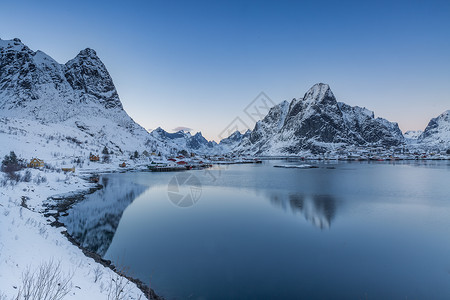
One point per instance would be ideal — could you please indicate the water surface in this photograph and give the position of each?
(354, 231)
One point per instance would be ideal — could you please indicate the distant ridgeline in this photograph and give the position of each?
(75, 108)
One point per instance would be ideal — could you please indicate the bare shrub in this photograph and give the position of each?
(119, 287)
(98, 273)
(40, 179)
(27, 176)
(47, 282)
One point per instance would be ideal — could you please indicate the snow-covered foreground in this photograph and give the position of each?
(28, 241)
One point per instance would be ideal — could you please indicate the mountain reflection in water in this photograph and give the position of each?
(94, 221)
(319, 210)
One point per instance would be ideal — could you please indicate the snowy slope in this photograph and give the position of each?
(230, 144)
(437, 133)
(27, 241)
(412, 134)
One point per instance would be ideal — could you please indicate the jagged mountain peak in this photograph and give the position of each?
(14, 48)
(318, 92)
(235, 138)
(237, 133)
(412, 134)
(184, 140)
(32, 83)
(90, 79)
(317, 122)
(361, 110)
(10, 43)
(88, 52)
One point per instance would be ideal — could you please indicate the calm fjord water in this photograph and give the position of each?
(359, 231)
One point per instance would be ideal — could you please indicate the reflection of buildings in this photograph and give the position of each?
(93, 222)
(320, 210)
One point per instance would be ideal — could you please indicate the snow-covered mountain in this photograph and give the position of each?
(317, 123)
(34, 85)
(437, 133)
(63, 107)
(74, 108)
(185, 141)
(230, 143)
(412, 134)
(69, 108)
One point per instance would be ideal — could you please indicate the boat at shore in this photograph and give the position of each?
(175, 168)
(302, 166)
(237, 161)
(167, 168)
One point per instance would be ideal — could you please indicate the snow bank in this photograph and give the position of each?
(27, 240)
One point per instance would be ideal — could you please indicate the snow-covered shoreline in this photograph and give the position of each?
(28, 240)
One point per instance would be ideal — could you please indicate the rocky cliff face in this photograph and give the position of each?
(316, 123)
(90, 80)
(366, 129)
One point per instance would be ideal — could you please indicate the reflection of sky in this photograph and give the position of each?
(179, 63)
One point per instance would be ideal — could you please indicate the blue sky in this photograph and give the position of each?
(198, 64)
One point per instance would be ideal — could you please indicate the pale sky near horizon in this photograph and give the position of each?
(199, 64)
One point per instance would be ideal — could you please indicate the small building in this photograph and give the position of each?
(36, 163)
(172, 159)
(181, 163)
(123, 165)
(68, 169)
(93, 157)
